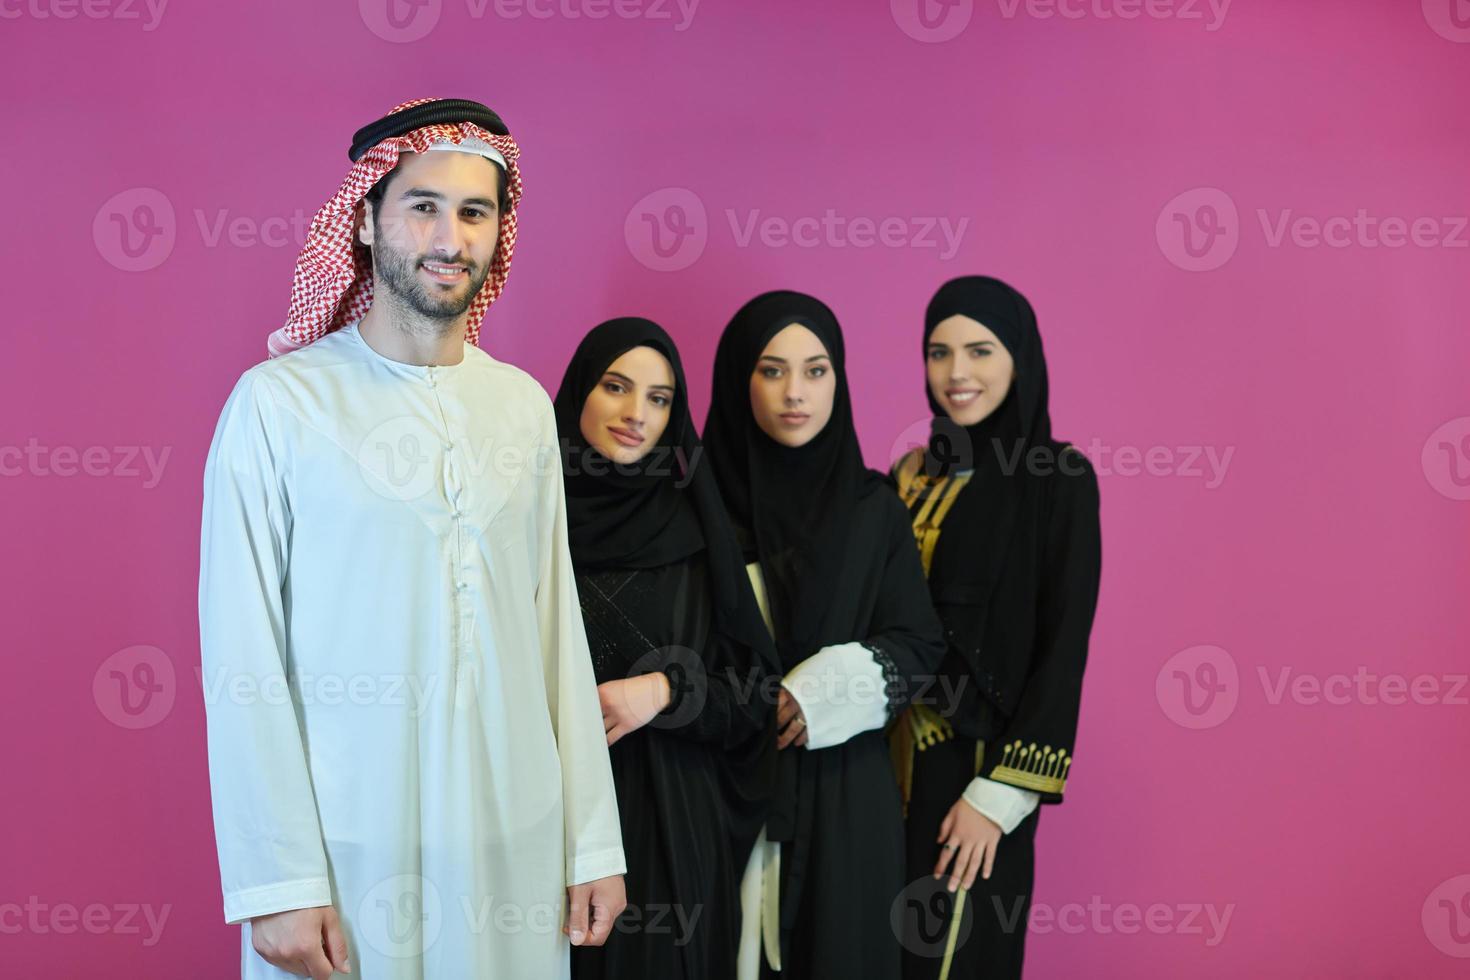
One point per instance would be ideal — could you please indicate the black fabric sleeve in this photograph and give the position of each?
(1034, 750)
(720, 693)
(712, 699)
(906, 636)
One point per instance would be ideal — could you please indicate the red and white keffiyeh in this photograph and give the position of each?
(333, 285)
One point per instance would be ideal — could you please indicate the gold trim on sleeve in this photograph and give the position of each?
(1042, 769)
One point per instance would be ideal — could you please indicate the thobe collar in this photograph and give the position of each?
(425, 372)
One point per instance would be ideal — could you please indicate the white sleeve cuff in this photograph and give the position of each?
(1005, 806)
(307, 893)
(598, 864)
(841, 693)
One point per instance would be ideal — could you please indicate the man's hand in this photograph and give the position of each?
(790, 721)
(628, 705)
(606, 898)
(969, 838)
(306, 942)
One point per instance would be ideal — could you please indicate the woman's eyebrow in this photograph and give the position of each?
(630, 382)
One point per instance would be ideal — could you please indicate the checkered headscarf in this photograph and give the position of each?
(333, 285)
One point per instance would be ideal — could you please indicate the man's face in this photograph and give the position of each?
(435, 233)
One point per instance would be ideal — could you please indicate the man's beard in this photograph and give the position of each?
(397, 272)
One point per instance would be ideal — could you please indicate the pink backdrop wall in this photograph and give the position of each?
(1243, 228)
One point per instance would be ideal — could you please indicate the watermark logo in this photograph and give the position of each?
(134, 230)
(149, 13)
(401, 916)
(1450, 19)
(688, 683)
(397, 458)
(41, 918)
(667, 230)
(135, 687)
(1211, 13)
(400, 21)
(405, 21)
(932, 21)
(143, 463)
(834, 230)
(1201, 686)
(1198, 687)
(1199, 230)
(922, 917)
(1446, 459)
(1206, 920)
(1446, 917)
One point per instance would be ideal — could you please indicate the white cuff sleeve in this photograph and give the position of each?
(841, 693)
(1005, 806)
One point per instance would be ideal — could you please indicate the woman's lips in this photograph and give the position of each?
(795, 418)
(625, 436)
(962, 396)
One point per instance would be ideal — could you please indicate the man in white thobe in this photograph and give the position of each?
(407, 760)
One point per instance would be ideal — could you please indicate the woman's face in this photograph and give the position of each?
(793, 386)
(628, 409)
(970, 370)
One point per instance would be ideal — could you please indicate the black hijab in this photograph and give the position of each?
(661, 509)
(992, 536)
(796, 504)
(631, 516)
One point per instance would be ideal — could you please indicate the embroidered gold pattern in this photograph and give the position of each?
(927, 726)
(1042, 769)
(939, 497)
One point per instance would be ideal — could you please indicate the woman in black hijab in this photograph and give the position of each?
(831, 552)
(1006, 521)
(679, 650)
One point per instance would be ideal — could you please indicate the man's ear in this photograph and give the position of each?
(362, 224)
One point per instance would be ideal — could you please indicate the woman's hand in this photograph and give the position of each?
(969, 839)
(629, 704)
(790, 722)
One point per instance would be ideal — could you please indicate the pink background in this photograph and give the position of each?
(1336, 540)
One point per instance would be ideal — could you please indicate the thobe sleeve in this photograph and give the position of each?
(849, 688)
(266, 827)
(1034, 750)
(594, 842)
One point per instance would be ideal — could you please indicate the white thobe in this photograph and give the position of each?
(403, 720)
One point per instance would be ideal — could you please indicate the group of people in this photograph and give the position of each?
(573, 675)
